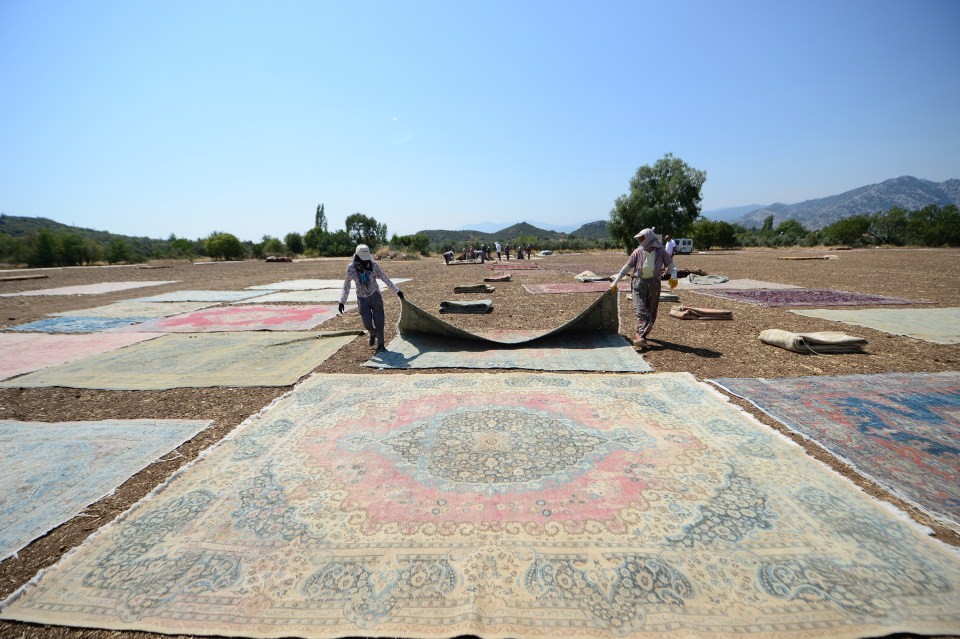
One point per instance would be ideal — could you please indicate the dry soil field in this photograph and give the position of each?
(705, 349)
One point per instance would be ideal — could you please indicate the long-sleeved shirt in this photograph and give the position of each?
(648, 264)
(366, 282)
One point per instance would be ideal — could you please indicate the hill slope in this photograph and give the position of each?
(906, 192)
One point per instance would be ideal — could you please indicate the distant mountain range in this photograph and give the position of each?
(906, 192)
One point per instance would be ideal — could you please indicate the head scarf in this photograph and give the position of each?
(648, 239)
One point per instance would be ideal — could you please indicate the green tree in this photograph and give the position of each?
(708, 233)
(320, 219)
(294, 242)
(365, 230)
(850, 230)
(118, 251)
(418, 243)
(890, 227)
(665, 196)
(223, 246)
(45, 250)
(273, 246)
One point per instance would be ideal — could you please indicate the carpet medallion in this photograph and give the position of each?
(900, 430)
(570, 506)
(51, 472)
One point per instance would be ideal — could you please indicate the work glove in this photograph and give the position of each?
(400, 294)
(340, 308)
(673, 282)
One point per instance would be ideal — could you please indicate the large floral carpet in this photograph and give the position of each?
(804, 297)
(195, 360)
(27, 352)
(936, 325)
(533, 505)
(51, 472)
(900, 430)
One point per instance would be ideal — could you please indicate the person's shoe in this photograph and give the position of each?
(381, 349)
(641, 344)
(372, 340)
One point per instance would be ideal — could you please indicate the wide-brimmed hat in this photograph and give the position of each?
(363, 252)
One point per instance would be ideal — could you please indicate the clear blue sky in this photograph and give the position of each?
(159, 118)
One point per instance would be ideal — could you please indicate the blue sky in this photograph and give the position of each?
(159, 118)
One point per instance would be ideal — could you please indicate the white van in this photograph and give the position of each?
(684, 246)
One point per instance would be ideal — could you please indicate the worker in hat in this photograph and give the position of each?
(647, 262)
(364, 272)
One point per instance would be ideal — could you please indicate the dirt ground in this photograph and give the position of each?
(705, 349)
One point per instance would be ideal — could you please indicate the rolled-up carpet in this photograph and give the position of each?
(477, 306)
(475, 288)
(498, 278)
(820, 343)
(706, 280)
(691, 313)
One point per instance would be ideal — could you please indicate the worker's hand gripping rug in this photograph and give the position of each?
(532, 505)
(901, 430)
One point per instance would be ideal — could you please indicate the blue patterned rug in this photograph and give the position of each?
(900, 430)
(51, 472)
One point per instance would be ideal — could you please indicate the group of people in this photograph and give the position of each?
(647, 262)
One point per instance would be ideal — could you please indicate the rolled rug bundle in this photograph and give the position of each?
(476, 288)
(819, 343)
(478, 307)
(691, 313)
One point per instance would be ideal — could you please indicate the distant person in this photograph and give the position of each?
(506, 251)
(670, 246)
(448, 257)
(497, 248)
(647, 261)
(364, 272)
(528, 251)
(519, 252)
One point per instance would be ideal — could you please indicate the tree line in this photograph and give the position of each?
(665, 195)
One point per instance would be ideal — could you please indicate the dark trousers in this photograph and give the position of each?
(646, 302)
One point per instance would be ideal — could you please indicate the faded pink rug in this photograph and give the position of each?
(28, 352)
(239, 318)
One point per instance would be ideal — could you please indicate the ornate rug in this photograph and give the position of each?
(565, 352)
(51, 472)
(241, 318)
(201, 296)
(27, 352)
(136, 309)
(805, 297)
(599, 506)
(85, 324)
(195, 360)
(742, 284)
(937, 325)
(89, 289)
(900, 430)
